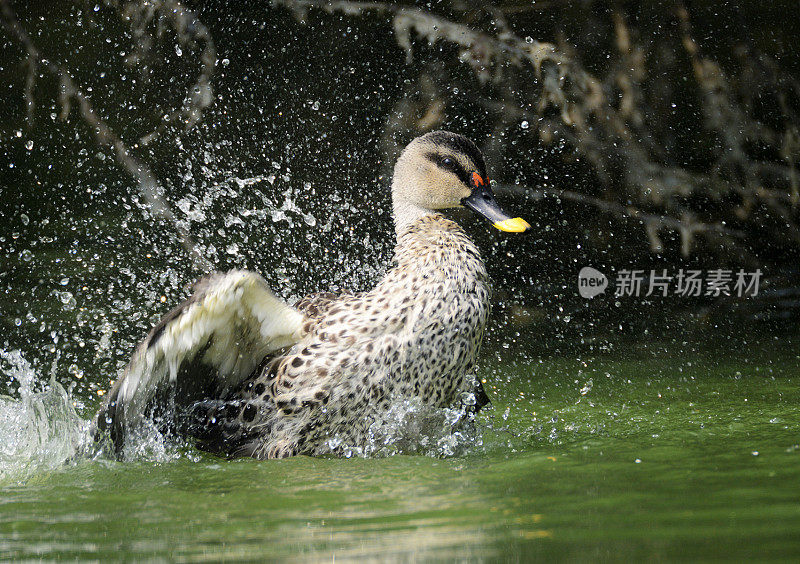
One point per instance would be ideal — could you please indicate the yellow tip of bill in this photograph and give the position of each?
(516, 225)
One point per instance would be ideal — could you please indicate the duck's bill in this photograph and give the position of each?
(482, 202)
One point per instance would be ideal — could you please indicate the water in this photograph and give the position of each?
(652, 450)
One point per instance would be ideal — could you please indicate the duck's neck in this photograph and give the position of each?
(406, 213)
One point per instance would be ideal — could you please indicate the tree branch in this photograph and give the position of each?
(149, 187)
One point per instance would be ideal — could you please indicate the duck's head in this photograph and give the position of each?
(442, 170)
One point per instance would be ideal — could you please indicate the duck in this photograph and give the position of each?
(241, 373)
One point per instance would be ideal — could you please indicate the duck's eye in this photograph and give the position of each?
(447, 161)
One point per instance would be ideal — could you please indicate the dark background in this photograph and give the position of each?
(664, 117)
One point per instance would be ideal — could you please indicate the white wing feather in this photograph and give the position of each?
(231, 323)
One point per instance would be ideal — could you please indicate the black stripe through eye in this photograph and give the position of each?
(460, 144)
(451, 164)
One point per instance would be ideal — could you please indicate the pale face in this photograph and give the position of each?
(436, 171)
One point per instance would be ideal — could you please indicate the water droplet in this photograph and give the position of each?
(528, 39)
(29, 145)
(524, 124)
(68, 300)
(64, 281)
(24, 219)
(178, 50)
(226, 62)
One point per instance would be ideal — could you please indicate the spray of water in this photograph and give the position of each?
(411, 427)
(39, 430)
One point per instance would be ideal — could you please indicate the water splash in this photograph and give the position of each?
(39, 430)
(148, 443)
(411, 427)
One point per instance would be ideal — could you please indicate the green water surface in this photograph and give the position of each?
(652, 452)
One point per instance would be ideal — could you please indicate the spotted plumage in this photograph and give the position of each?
(285, 380)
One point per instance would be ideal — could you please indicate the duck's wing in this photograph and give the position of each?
(208, 344)
(226, 424)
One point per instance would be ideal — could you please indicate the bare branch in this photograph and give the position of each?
(190, 32)
(607, 122)
(149, 187)
(687, 226)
